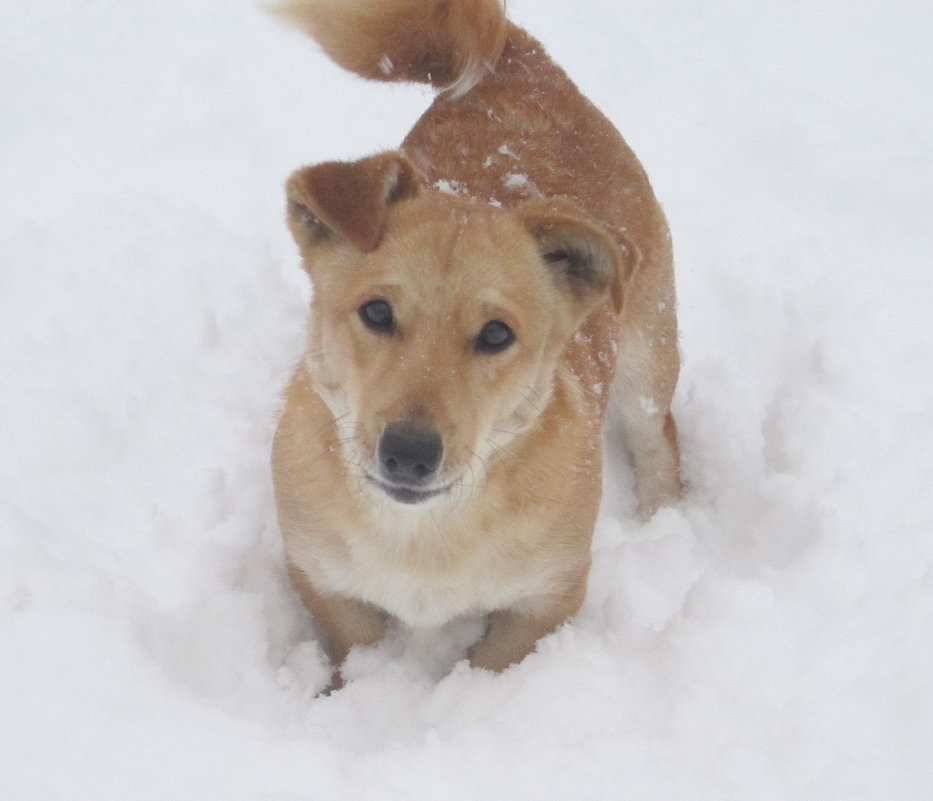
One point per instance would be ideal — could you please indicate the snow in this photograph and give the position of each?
(768, 638)
(515, 180)
(450, 187)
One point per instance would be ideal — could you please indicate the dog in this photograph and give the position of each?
(480, 297)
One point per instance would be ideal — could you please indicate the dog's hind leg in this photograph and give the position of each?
(640, 412)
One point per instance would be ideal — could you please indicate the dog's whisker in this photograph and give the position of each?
(534, 405)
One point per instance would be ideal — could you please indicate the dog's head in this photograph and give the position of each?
(437, 323)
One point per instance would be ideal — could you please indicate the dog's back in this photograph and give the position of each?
(498, 85)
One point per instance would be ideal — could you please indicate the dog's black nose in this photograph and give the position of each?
(408, 454)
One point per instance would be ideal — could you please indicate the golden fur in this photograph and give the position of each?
(512, 202)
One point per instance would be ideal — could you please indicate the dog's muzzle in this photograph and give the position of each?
(409, 457)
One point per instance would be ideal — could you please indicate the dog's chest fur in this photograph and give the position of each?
(424, 582)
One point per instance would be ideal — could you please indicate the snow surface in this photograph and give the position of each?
(768, 638)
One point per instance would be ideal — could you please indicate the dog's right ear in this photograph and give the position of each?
(348, 200)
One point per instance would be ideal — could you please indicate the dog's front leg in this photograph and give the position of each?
(512, 634)
(345, 622)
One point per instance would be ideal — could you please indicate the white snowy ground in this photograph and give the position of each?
(769, 638)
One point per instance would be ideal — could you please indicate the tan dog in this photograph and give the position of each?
(441, 446)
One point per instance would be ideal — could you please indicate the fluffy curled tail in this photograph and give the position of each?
(451, 44)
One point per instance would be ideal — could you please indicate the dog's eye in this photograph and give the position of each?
(377, 316)
(494, 337)
(554, 256)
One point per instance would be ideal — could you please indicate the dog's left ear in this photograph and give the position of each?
(585, 260)
(348, 200)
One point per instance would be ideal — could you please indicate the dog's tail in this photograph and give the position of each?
(451, 44)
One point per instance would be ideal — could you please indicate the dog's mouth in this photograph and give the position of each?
(407, 494)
